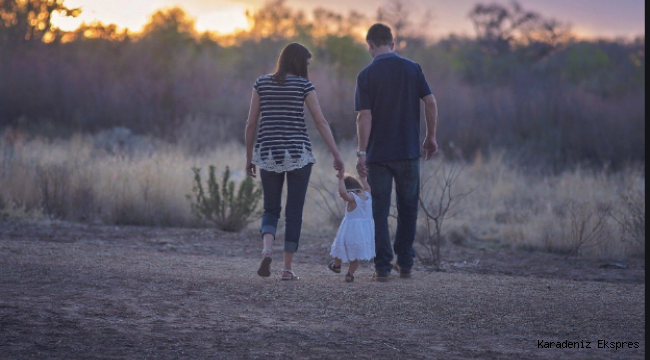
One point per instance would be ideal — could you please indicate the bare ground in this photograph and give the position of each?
(75, 291)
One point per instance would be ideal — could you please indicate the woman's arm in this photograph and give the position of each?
(251, 129)
(323, 128)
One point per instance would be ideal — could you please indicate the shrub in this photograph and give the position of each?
(221, 206)
(329, 201)
(588, 225)
(53, 181)
(439, 202)
(632, 218)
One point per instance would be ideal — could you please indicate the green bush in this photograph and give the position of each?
(221, 206)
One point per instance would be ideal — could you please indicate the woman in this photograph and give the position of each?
(282, 148)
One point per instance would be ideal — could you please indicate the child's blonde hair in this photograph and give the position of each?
(351, 183)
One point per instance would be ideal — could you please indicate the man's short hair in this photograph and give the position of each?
(380, 35)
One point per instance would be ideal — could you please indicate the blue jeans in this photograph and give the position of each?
(406, 174)
(297, 184)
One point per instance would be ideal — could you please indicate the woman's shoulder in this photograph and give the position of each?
(267, 77)
(288, 80)
(297, 79)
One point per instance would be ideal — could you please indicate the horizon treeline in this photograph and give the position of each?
(523, 83)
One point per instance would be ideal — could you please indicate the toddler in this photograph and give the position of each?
(355, 239)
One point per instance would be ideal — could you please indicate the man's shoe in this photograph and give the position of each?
(403, 273)
(380, 277)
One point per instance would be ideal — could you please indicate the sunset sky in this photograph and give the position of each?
(590, 18)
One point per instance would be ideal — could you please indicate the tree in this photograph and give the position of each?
(98, 30)
(24, 21)
(171, 26)
(396, 15)
(329, 23)
(497, 26)
(277, 21)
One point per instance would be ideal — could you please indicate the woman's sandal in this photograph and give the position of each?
(265, 264)
(335, 268)
(292, 275)
(349, 278)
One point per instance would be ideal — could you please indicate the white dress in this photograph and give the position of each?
(355, 239)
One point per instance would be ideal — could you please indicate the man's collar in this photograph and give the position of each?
(384, 56)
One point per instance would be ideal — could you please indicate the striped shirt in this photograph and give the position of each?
(282, 141)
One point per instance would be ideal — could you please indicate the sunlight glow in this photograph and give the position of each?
(123, 13)
(227, 16)
(223, 22)
(222, 16)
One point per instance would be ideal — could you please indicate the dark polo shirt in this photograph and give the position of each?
(391, 87)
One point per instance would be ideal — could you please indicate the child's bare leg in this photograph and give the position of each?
(337, 261)
(354, 265)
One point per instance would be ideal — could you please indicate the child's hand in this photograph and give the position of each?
(340, 175)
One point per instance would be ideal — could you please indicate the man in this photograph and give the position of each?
(388, 96)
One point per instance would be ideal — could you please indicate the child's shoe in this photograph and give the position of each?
(335, 268)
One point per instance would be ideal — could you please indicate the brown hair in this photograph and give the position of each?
(380, 35)
(292, 60)
(351, 183)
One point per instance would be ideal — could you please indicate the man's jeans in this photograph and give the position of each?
(297, 184)
(407, 187)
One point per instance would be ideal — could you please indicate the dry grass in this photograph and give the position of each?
(531, 211)
(76, 180)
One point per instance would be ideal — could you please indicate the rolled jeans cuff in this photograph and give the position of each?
(268, 229)
(291, 247)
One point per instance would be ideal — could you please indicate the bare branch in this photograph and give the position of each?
(586, 226)
(437, 207)
(329, 200)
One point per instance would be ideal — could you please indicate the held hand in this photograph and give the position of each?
(339, 165)
(251, 170)
(362, 170)
(429, 148)
(340, 175)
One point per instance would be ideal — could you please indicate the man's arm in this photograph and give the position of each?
(430, 146)
(364, 125)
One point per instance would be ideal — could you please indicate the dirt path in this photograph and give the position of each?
(101, 292)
